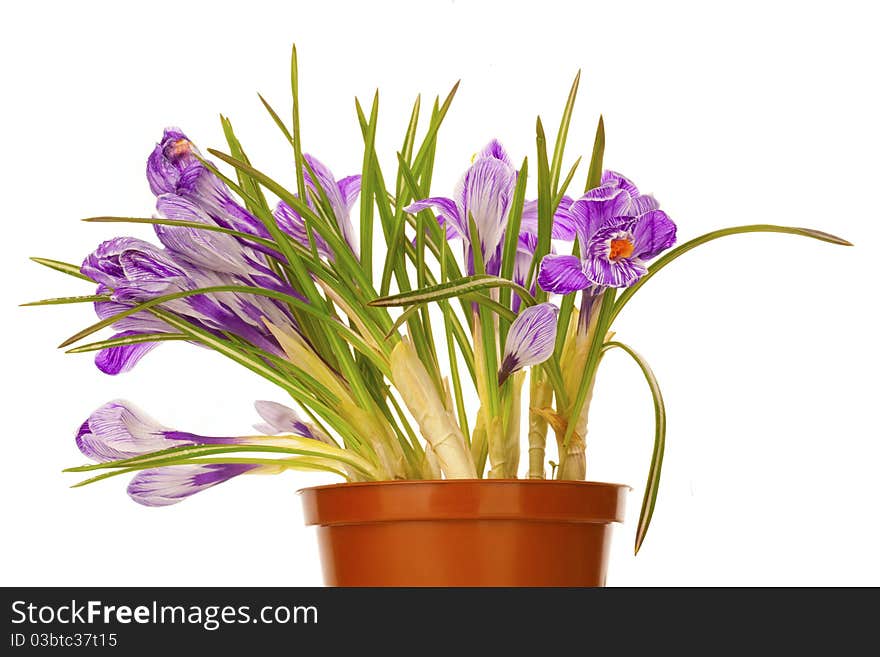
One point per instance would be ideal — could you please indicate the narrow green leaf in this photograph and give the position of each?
(511, 237)
(248, 184)
(562, 135)
(367, 193)
(276, 119)
(269, 244)
(328, 321)
(664, 260)
(653, 483)
(63, 267)
(565, 183)
(545, 209)
(297, 137)
(62, 300)
(456, 288)
(594, 176)
(129, 339)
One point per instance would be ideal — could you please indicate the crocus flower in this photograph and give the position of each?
(341, 196)
(119, 430)
(174, 167)
(132, 271)
(618, 230)
(530, 340)
(485, 193)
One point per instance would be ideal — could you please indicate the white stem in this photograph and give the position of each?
(436, 423)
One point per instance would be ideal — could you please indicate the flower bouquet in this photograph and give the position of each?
(408, 367)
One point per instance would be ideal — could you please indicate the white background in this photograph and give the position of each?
(765, 345)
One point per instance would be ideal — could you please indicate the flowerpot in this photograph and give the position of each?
(465, 532)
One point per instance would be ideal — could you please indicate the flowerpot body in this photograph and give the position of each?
(465, 532)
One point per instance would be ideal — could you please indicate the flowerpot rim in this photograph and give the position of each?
(404, 482)
(537, 500)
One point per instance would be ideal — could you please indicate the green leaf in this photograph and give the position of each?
(248, 184)
(192, 224)
(172, 456)
(664, 260)
(456, 288)
(367, 193)
(129, 339)
(653, 483)
(511, 236)
(328, 321)
(276, 119)
(297, 137)
(61, 300)
(594, 176)
(562, 135)
(565, 183)
(545, 201)
(63, 267)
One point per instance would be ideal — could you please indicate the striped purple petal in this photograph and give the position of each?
(564, 227)
(617, 180)
(562, 274)
(496, 151)
(116, 360)
(652, 233)
(349, 188)
(611, 260)
(280, 419)
(341, 206)
(292, 223)
(201, 248)
(174, 483)
(596, 208)
(119, 430)
(172, 159)
(485, 193)
(531, 339)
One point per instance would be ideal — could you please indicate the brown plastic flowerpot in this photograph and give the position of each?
(465, 532)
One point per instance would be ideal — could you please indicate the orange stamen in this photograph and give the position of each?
(179, 147)
(620, 249)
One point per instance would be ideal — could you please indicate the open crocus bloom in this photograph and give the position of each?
(618, 230)
(120, 430)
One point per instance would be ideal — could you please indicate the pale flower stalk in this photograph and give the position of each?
(436, 422)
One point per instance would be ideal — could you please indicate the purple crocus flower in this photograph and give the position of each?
(618, 230)
(174, 483)
(340, 194)
(485, 193)
(531, 339)
(132, 271)
(119, 430)
(174, 167)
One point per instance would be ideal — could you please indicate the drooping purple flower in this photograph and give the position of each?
(174, 483)
(531, 339)
(132, 271)
(618, 230)
(174, 167)
(119, 430)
